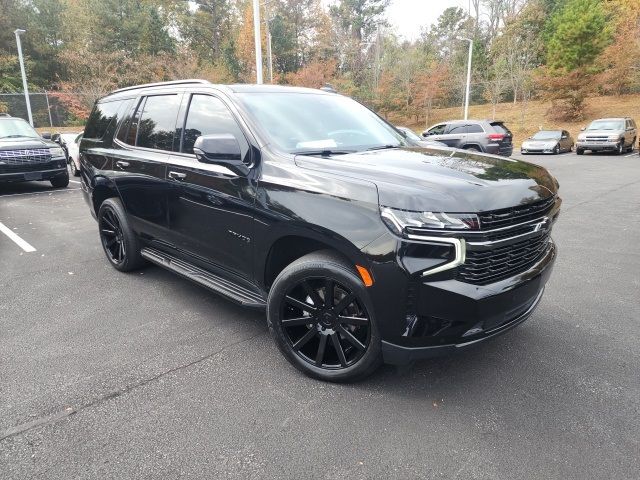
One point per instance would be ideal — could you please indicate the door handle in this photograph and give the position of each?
(121, 164)
(177, 176)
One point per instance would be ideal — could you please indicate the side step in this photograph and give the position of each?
(216, 283)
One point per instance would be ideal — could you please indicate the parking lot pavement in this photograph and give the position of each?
(145, 375)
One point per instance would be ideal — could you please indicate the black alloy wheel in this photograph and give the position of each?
(112, 237)
(321, 317)
(325, 323)
(620, 150)
(118, 240)
(556, 150)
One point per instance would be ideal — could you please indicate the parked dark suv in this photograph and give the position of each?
(25, 155)
(361, 248)
(488, 136)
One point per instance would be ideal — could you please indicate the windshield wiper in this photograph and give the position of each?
(325, 152)
(384, 147)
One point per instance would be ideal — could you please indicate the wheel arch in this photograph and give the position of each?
(102, 190)
(466, 146)
(289, 247)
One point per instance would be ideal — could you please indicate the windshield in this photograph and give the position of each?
(546, 135)
(16, 128)
(606, 125)
(313, 123)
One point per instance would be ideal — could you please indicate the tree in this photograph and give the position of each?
(359, 17)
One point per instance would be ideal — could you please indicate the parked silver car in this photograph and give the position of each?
(548, 141)
(608, 134)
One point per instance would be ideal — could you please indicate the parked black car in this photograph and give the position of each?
(488, 136)
(25, 155)
(303, 202)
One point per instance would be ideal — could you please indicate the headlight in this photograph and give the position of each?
(404, 221)
(614, 138)
(56, 152)
(582, 137)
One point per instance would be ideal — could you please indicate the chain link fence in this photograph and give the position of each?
(48, 109)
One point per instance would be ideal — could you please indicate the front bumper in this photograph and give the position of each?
(33, 171)
(598, 146)
(32, 176)
(452, 315)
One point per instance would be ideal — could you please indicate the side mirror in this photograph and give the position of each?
(220, 149)
(426, 134)
(46, 135)
(564, 136)
(583, 129)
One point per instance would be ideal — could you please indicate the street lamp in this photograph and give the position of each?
(256, 34)
(466, 96)
(19, 32)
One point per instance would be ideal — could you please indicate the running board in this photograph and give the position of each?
(216, 283)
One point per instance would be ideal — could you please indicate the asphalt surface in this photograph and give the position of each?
(145, 375)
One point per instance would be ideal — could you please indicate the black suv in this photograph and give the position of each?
(488, 136)
(361, 247)
(25, 155)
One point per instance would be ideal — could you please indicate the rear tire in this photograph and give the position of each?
(472, 149)
(61, 181)
(119, 242)
(322, 320)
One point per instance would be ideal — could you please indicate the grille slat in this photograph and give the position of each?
(515, 215)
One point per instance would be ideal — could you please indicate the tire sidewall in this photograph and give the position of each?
(314, 268)
(132, 247)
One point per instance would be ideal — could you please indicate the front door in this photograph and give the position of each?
(210, 207)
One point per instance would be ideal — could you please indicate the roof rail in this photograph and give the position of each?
(161, 84)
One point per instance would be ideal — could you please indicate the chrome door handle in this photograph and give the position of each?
(177, 176)
(121, 164)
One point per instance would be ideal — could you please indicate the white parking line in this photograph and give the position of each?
(50, 192)
(16, 239)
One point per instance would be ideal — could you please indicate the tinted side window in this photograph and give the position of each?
(474, 128)
(500, 128)
(157, 123)
(209, 115)
(437, 130)
(456, 129)
(101, 117)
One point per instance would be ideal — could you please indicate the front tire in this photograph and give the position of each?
(579, 151)
(72, 166)
(556, 150)
(118, 240)
(60, 181)
(620, 150)
(322, 319)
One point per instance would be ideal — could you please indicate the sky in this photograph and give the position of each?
(408, 16)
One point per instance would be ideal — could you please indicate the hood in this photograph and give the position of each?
(421, 179)
(602, 133)
(540, 143)
(22, 143)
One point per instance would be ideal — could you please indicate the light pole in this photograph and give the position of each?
(19, 32)
(466, 96)
(257, 39)
(268, 25)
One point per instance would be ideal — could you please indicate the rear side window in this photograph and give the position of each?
(474, 128)
(456, 129)
(102, 116)
(157, 122)
(501, 128)
(208, 115)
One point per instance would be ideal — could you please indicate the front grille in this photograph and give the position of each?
(24, 157)
(597, 138)
(482, 267)
(515, 215)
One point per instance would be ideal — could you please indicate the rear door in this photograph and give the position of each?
(210, 207)
(146, 139)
